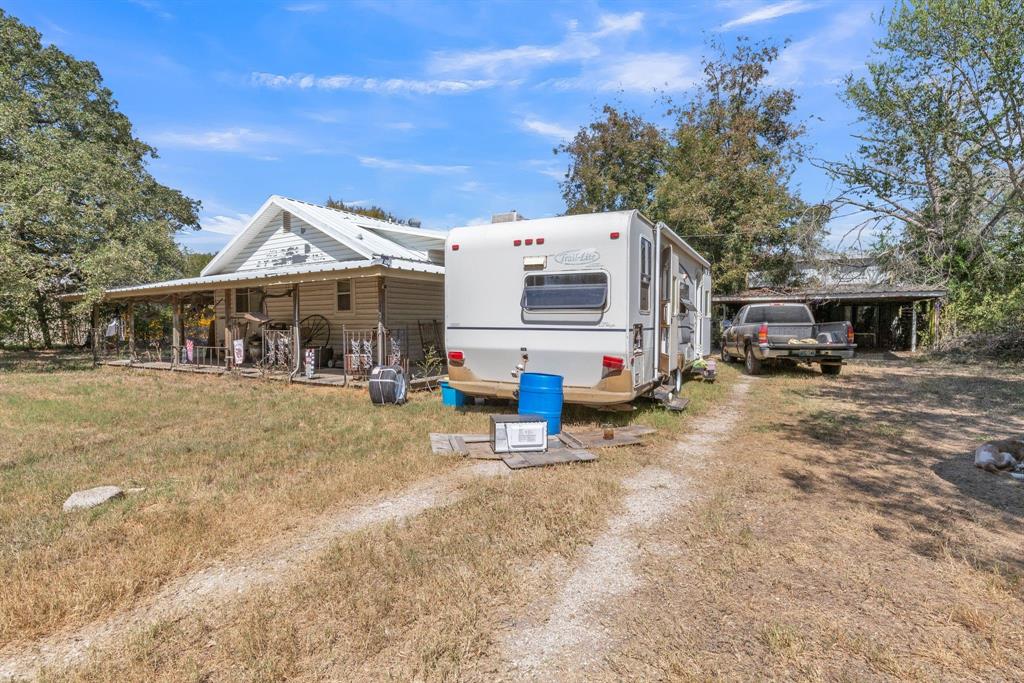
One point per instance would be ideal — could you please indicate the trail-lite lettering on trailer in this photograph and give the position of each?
(578, 257)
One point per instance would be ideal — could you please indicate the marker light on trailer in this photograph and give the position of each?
(614, 235)
(529, 242)
(516, 243)
(540, 240)
(613, 363)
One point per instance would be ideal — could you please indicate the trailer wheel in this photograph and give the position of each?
(752, 365)
(831, 368)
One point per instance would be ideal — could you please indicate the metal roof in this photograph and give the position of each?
(361, 234)
(284, 275)
(879, 293)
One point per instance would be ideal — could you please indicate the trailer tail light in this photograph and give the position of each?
(614, 235)
(455, 247)
(762, 334)
(849, 334)
(613, 363)
(456, 356)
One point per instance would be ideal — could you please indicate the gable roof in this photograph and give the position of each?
(368, 237)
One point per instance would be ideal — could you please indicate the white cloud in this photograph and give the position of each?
(470, 186)
(619, 23)
(652, 71)
(767, 13)
(376, 85)
(825, 54)
(307, 7)
(577, 46)
(226, 224)
(153, 7)
(549, 168)
(547, 129)
(411, 166)
(228, 140)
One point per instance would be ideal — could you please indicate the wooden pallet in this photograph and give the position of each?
(552, 456)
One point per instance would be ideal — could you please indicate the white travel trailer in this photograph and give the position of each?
(576, 296)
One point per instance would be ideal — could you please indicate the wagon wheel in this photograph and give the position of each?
(315, 331)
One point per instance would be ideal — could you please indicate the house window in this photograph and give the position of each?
(344, 295)
(248, 300)
(645, 275)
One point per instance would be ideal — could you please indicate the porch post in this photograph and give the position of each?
(175, 330)
(131, 332)
(229, 345)
(913, 326)
(296, 333)
(95, 321)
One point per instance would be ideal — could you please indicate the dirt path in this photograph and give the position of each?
(571, 636)
(208, 589)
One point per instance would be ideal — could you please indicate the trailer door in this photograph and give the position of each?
(668, 335)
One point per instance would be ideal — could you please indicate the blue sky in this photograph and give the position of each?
(446, 112)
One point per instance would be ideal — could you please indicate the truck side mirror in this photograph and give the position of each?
(726, 324)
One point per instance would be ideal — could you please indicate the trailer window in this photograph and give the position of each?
(645, 275)
(565, 291)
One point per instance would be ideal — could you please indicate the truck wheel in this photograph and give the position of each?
(726, 358)
(753, 365)
(831, 368)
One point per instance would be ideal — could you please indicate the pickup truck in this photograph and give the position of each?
(785, 333)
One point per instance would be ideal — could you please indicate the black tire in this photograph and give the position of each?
(726, 356)
(831, 368)
(753, 365)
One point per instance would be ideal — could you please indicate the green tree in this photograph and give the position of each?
(195, 262)
(726, 185)
(614, 163)
(939, 166)
(78, 207)
(370, 211)
(719, 176)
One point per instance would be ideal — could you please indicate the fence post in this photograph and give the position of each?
(175, 330)
(131, 331)
(95, 334)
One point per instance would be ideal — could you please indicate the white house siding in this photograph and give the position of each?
(272, 247)
(410, 301)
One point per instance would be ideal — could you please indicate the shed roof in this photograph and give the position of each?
(888, 292)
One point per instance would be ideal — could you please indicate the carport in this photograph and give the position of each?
(885, 318)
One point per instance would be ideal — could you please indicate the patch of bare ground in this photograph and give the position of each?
(207, 590)
(843, 534)
(567, 636)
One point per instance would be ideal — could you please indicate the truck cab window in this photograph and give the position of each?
(565, 291)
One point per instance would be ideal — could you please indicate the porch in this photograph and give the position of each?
(324, 327)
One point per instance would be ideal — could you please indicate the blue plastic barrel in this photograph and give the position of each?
(541, 394)
(450, 396)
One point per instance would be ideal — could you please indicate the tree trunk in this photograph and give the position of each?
(43, 319)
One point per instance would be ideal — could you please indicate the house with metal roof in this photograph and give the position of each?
(301, 285)
(886, 313)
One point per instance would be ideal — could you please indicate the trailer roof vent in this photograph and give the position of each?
(415, 223)
(507, 217)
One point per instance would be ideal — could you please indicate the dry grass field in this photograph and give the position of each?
(830, 528)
